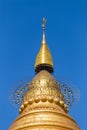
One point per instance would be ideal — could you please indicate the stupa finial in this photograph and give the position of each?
(43, 28)
(44, 59)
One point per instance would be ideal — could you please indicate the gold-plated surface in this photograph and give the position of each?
(43, 88)
(44, 56)
(43, 105)
(44, 120)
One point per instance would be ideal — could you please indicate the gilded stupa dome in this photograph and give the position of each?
(43, 88)
(43, 106)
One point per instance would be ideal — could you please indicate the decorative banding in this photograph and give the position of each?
(37, 99)
(43, 98)
(22, 107)
(56, 100)
(25, 103)
(31, 101)
(50, 99)
(61, 103)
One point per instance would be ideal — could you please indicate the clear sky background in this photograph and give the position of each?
(20, 40)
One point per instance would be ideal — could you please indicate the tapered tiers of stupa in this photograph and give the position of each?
(44, 59)
(43, 105)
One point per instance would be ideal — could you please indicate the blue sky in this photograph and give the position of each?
(20, 40)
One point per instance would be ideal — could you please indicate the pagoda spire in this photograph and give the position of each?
(43, 105)
(44, 59)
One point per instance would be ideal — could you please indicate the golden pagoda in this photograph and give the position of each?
(43, 106)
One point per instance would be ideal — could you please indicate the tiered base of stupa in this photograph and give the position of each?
(46, 117)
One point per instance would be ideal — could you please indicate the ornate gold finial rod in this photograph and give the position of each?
(43, 28)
